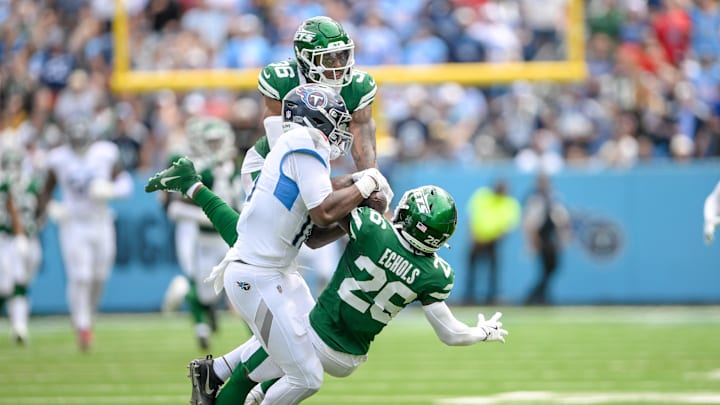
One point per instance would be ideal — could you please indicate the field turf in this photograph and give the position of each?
(563, 355)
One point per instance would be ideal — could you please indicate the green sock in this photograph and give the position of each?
(239, 385)
(196, 308)
(236, 388)
(265, 385)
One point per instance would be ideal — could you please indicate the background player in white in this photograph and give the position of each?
(197, 244)
(711, 213)
(25, 253)
(293, 193)
(89, 175)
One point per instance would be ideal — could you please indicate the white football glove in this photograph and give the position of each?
(492, 328)
(101, 189)
(387, 191)
(370, 180)
(709, 231)
(22, 245)
(57, 211)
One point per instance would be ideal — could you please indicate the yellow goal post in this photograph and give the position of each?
(572, 69)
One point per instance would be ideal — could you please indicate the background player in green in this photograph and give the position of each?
(385, 266)
(324, 53)
(24, 183)
(210, 143)
(11, 231)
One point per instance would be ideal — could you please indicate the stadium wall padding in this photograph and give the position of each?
(637, 239)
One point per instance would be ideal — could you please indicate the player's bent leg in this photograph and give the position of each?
(255, 366)
(334, 363)
(274, 305)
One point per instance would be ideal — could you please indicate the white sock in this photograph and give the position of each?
(225, 365)
(19, 311)
(78, 296)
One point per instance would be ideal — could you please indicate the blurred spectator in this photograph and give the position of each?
(543, 20)
(246, 46)
(672, 28)
(425, 48)
(546, 224)
(54, 61)
(705, 26)
(492, 215)
(656, 61)
(376, 43)
(129, 136)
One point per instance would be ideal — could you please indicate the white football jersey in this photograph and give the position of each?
(275, 220)
(75, 172)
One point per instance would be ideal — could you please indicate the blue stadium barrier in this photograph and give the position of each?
(638, 239)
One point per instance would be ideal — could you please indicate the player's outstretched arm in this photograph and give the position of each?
(182, 177)
(453, 332)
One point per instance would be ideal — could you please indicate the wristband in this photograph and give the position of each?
(366, 185)
(192, 189)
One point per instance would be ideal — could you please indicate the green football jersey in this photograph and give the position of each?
(375, 279)
(277, 79)
(25, 197)
(5, 219)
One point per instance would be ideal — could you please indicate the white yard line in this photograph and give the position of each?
(586, 398)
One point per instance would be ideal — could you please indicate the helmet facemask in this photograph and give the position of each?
(331, 66)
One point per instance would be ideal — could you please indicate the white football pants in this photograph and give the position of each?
(273, 304)
(88, 249)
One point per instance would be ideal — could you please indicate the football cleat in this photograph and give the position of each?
(85, 339)
(205, 382)
(178, 177)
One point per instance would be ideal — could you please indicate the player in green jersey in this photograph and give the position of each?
(198, 246)
(386, 266)
(26, 252)
(324, 53)
(11, 231)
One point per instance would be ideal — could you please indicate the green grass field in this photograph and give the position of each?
(586, 355)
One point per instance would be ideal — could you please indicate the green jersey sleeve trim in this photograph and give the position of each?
(367, 99)
(266, 88)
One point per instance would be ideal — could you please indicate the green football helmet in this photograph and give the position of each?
(426, 218)
(322, 49)
(210, 138)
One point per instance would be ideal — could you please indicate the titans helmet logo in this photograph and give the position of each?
(312, 98)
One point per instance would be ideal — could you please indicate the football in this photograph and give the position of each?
(376, 201)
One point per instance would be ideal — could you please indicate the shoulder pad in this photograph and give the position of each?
(276, 79)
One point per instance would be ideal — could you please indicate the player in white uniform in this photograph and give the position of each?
(293, 193)
(89, 175)
(711, 213)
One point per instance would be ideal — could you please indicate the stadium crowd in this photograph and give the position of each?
(653, 91)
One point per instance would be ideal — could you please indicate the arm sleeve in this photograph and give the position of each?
(710, 209)
(451, 331)
(222, 216)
